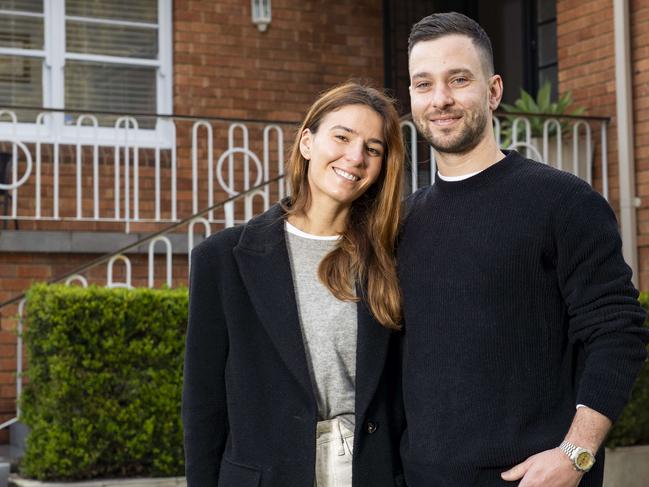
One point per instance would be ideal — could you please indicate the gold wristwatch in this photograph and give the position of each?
(582, 458)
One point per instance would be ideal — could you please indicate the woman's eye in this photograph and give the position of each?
(342, 138)
(373, 152)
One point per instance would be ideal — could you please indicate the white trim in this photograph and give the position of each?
(15, 51)
(462, 177)
(164, 84)
(159, 137)
(296, 231)
(100, 58)
(22, 13)
(53, 86)
(123, 23)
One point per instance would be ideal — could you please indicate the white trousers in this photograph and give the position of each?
(334, 450)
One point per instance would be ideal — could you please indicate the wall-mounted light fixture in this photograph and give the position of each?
(261, 14)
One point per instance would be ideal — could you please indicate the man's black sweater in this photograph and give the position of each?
(518, 306)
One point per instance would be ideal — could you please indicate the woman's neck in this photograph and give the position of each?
(318, 220)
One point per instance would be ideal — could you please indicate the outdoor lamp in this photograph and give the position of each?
(261, 14)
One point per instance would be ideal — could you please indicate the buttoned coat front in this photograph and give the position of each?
(249, 409)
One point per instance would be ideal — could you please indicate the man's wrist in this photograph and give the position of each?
(582, 458)
(588, 429)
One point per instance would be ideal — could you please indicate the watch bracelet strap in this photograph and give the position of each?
(568, 448)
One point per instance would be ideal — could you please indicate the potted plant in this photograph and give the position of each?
(551, 139)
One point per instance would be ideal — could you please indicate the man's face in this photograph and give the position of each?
(451, 93)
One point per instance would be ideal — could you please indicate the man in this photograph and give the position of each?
(523, 332)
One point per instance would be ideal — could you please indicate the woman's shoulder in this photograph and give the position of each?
(220, 242)
(261, 228)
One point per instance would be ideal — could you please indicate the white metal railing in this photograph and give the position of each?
(85, 171)
(91, 174)
(568, 143)
(565, 145)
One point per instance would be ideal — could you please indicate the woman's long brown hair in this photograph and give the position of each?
(365, 253)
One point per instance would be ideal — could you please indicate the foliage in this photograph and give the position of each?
(543, 104)
(105, 380)
(632, 427)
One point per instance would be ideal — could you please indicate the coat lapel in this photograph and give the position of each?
(371, 353)
(263, 261)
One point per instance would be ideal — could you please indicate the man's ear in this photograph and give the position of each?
(495, 91)
(306, 139)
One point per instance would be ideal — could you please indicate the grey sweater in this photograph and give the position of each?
(328, 328)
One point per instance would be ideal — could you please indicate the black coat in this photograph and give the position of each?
(249, 409)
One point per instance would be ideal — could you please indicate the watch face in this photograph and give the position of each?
(584, 461)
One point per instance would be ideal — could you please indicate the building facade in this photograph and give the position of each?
(122, 117)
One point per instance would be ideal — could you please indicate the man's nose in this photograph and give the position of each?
(441, 97)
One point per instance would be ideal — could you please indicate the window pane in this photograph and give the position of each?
(35, 6)
(550, 74)
(110, 87)
(546, 9)
(21, 81)
(138, 11)
(111, 40)
(21, 32)
(547, 44)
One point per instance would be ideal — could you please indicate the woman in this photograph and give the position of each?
(291, 364)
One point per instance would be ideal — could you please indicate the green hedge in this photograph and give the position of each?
(104, 382)
(105, 379)
(632, 428)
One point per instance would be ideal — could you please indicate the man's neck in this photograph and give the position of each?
(483, 155)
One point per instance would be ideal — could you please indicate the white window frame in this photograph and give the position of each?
(54, 56)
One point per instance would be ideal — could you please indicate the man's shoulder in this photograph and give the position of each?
(550, 183)
(416, 200)
(538, 170)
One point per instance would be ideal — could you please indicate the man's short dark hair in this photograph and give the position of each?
(442, 24)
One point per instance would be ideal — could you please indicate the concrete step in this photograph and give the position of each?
(10, 454)
(16, 481)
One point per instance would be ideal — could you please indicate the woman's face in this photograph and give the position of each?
(345, 155)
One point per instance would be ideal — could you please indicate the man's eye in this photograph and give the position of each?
(460, 81)
(422, 85)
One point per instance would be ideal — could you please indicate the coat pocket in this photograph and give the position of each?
(237, 475)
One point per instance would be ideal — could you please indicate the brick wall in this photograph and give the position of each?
(640, 57)
(586, 53)
(223, 67)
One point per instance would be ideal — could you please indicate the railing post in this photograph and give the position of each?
(169, 252)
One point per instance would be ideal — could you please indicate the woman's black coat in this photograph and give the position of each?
(249, 409)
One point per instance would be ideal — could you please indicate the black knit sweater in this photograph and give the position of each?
(518, 306)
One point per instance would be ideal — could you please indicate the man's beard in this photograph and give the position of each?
(462, 142)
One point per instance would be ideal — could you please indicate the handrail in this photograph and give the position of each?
(500, 113)
(148, 238)
(179, 116)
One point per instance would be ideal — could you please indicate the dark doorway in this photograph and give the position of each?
(398, 18)
(522, 32)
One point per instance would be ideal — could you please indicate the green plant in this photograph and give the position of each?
(542, 104)
(632, 427)
(105, 380)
